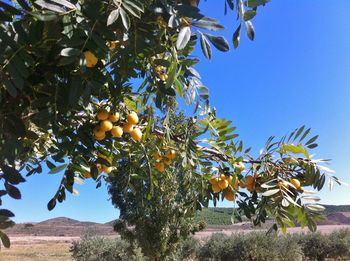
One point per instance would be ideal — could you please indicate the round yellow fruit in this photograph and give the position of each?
(90, 59)
(230, 195)
(117, 132)
(159, 166)
(295, 183)
(106, 125)
(163, 77)
(127, 128)
(214, 180)
(100, 135)
(102, 115)
(236, 184)
(114, 117)
(215, 188)
(171, 154)
(97, 131)
(132, 118)
(136, 134)
(241, 166)
(229, 179)
(223, 176)
(223, 183)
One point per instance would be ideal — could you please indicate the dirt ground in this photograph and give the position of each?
(50, 248)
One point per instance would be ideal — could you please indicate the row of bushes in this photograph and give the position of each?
(253, 246)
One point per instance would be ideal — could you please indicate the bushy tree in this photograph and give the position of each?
(90, 88)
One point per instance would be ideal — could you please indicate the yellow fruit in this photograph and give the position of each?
(215, 188)
(157, 156)
(90, 59)
(98, 132)
(241, 166)
(236, 184)
(136, 134)
(295, 183)
(106, 125)
(214, 180)
(100, 135)
(107, 169)
(117, 132)
(230, 195)
(114, 117)
(159, 166)
(171, 154)
(223, 176)
(87, 175)
(127, 128)
(132, 118)
(102, 115)
(167, 161)
(223, 183)
(283, 184)
(163, 77)
(229, 179)
(250, 183)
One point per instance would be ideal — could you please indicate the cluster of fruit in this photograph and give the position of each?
(295, 182)
(100, 167)
(223, 182)
(162, 160)
(161, 72)
(106, 124)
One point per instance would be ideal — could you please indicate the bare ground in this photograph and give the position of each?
(56, 248)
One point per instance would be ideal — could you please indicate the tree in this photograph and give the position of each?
(71, 98)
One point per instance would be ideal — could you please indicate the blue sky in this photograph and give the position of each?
(296, 72)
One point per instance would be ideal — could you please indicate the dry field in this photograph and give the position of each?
(54, 248)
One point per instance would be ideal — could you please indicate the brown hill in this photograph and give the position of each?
(60, 226)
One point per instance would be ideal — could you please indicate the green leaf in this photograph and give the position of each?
(219, 42)
(12, 191)
(270, 192)
(236, 36)
(65, 3)
(255, 3)
(45, 17)
(248, 15)
(313, 139)
(12, 175)
(6, 213)
(206, 49)
(183, 37)
(295, 149)
(113, 16)
(49, 6)
(58, 169)
(51, 205)
(250, 30)
(125, 19)
(68, 52)
(171, 74)
(208, 23)
(5, 239)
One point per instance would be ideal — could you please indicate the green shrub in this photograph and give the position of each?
(288, 248)
(315, 246)
(339, 244)
(92, 248)
(189, 249)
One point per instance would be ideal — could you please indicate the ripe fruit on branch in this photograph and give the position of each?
(214, 180)
(90, 59)
(136, 134)
(215, 188)
(100, 135)
(106, 125)
(106, 169)
(102, 114)
(127, 128)
(250, 183)
(167, 161)
(117, 132)
(157, 156)
(230, 195)
(114, 117)
(132, 118)
(223, 183)
(295, 183)
(159, 166)
(171, 154)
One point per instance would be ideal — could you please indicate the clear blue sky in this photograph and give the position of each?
(296, 72)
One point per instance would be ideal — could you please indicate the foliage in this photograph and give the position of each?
(92, 248)
(64, 62)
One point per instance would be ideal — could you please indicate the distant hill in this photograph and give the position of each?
(214, 217)
(222, 216)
